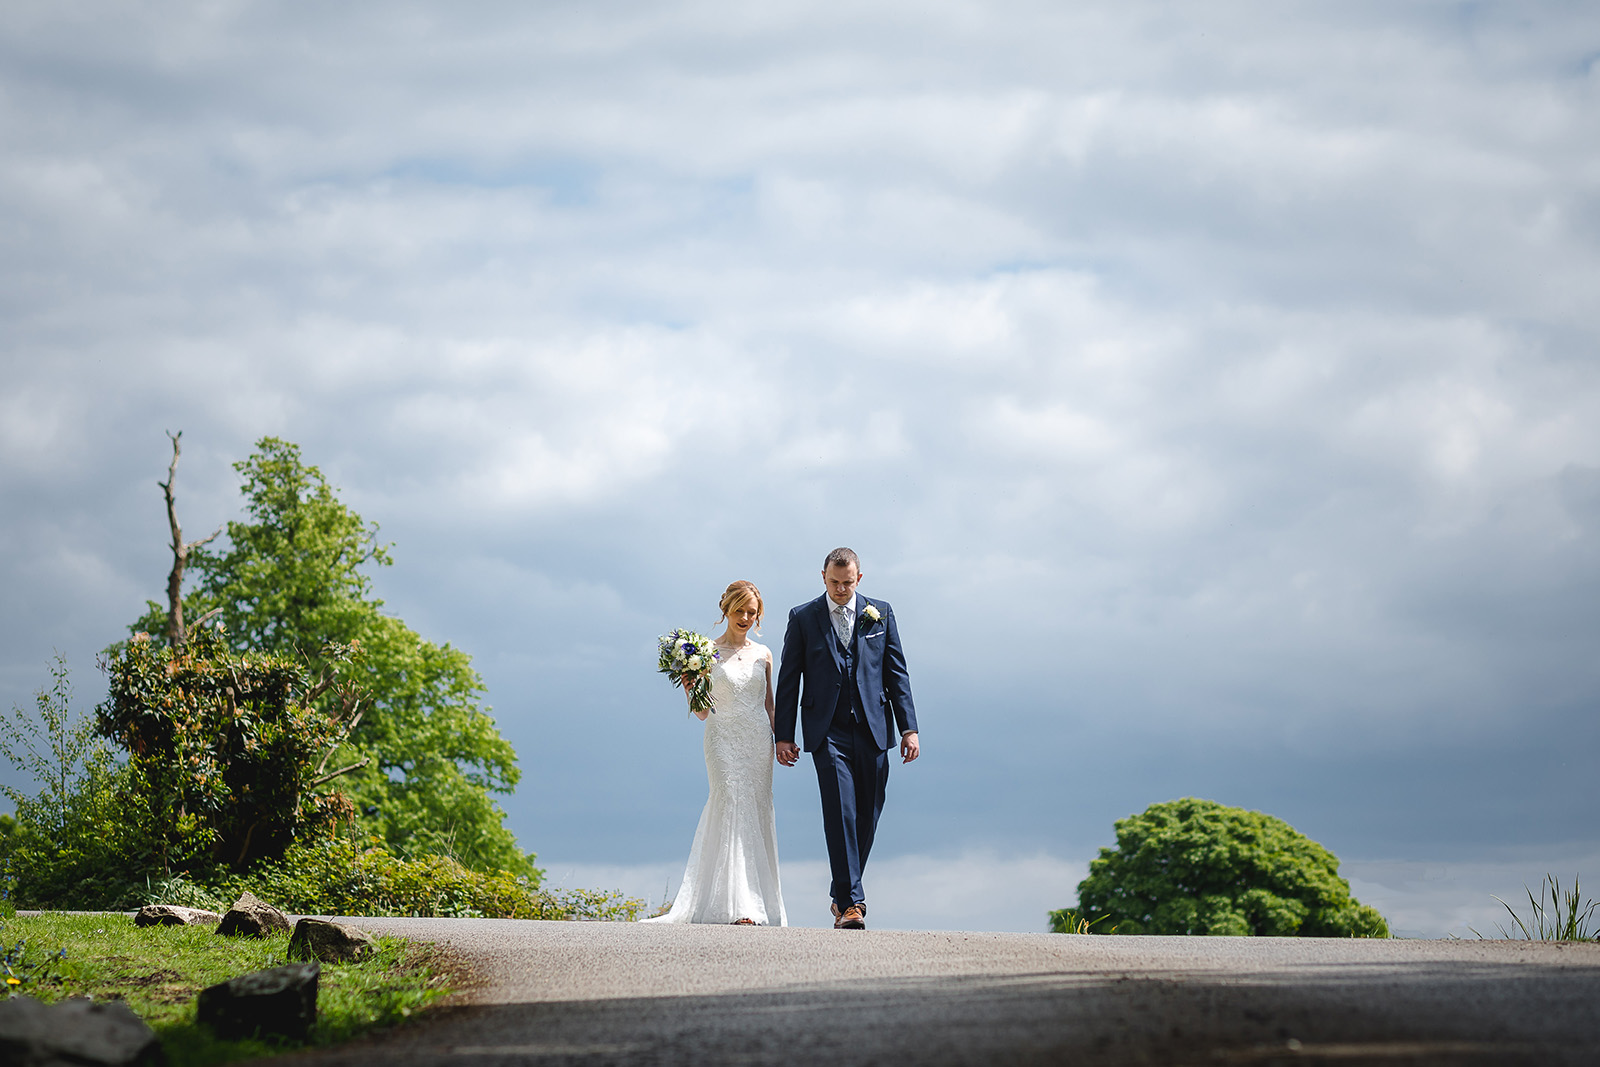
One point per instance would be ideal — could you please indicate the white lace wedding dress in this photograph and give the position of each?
(732, 872)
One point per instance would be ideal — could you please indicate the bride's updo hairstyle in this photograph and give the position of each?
(737, 594)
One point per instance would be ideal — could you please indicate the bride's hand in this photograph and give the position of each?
(787, 752)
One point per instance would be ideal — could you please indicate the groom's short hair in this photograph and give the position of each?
(841, 557)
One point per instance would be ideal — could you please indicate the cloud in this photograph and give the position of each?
(1212, 391)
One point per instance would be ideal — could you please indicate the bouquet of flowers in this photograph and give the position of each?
(686, 658)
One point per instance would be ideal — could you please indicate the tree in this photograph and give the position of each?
(292, 581)
(176, 631)
(1198, 867)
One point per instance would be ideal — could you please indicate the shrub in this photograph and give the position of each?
(223, 748)
(1198, 867)
(68, 845)
(340, 876)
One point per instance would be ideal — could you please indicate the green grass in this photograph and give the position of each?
(159, 970)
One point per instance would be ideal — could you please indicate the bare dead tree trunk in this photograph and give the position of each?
(176, 636)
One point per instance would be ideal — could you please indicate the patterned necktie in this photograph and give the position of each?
(841, 625)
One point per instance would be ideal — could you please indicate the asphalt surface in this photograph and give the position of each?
(603, 993)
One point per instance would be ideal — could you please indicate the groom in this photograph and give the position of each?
(856, 701)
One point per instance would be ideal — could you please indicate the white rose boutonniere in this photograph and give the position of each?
(872, 613)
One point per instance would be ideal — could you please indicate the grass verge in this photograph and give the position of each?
(159, 970)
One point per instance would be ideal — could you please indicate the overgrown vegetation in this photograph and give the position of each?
(340, 876)
(68, 844)
(304, 746)
(223, 748)
(1554, 915)
(159, 970)
(94, 837)
(1198, 867)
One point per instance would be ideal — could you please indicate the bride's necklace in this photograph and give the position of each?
(735, 649)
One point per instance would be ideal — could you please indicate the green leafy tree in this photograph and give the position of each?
(1198, 867)
(293, 580)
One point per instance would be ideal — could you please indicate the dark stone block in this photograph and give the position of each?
(75, 1033)
(279, 1002)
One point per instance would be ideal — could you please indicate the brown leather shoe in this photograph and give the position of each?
(853, 918)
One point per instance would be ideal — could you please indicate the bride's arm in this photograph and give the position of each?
(771, 707)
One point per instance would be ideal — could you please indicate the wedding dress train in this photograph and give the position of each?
(732, 872)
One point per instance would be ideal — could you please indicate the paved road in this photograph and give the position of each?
(601, 993)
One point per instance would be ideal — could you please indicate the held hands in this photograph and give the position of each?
(789, 753)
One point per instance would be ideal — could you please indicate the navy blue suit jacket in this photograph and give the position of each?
(812, 672)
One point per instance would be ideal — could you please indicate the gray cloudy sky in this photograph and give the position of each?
(1212, 388)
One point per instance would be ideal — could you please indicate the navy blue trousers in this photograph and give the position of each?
(853, 773)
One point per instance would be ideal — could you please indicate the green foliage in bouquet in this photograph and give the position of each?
(1198, 867)
(293, 581)
(227, 751)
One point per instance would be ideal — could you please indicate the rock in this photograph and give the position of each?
(281, 1001)
(77, 1032)
(330, 942)
(253, 917)
(173, 915)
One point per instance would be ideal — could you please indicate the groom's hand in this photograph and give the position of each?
(909, 749)
(788, 753)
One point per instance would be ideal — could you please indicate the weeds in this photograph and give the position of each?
(25, 970)
(1554, 915)
(1069, 921)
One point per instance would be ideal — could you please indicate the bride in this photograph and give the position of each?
(732, 874)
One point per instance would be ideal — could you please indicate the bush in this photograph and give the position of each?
(68, 845)
(342, 877)
(223, 747)
(1198, 867)
(214, 736)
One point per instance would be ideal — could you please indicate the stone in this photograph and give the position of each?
(330, 942)
(173, 915)
(280, 1002)
(251, 916)
(77, 1032)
